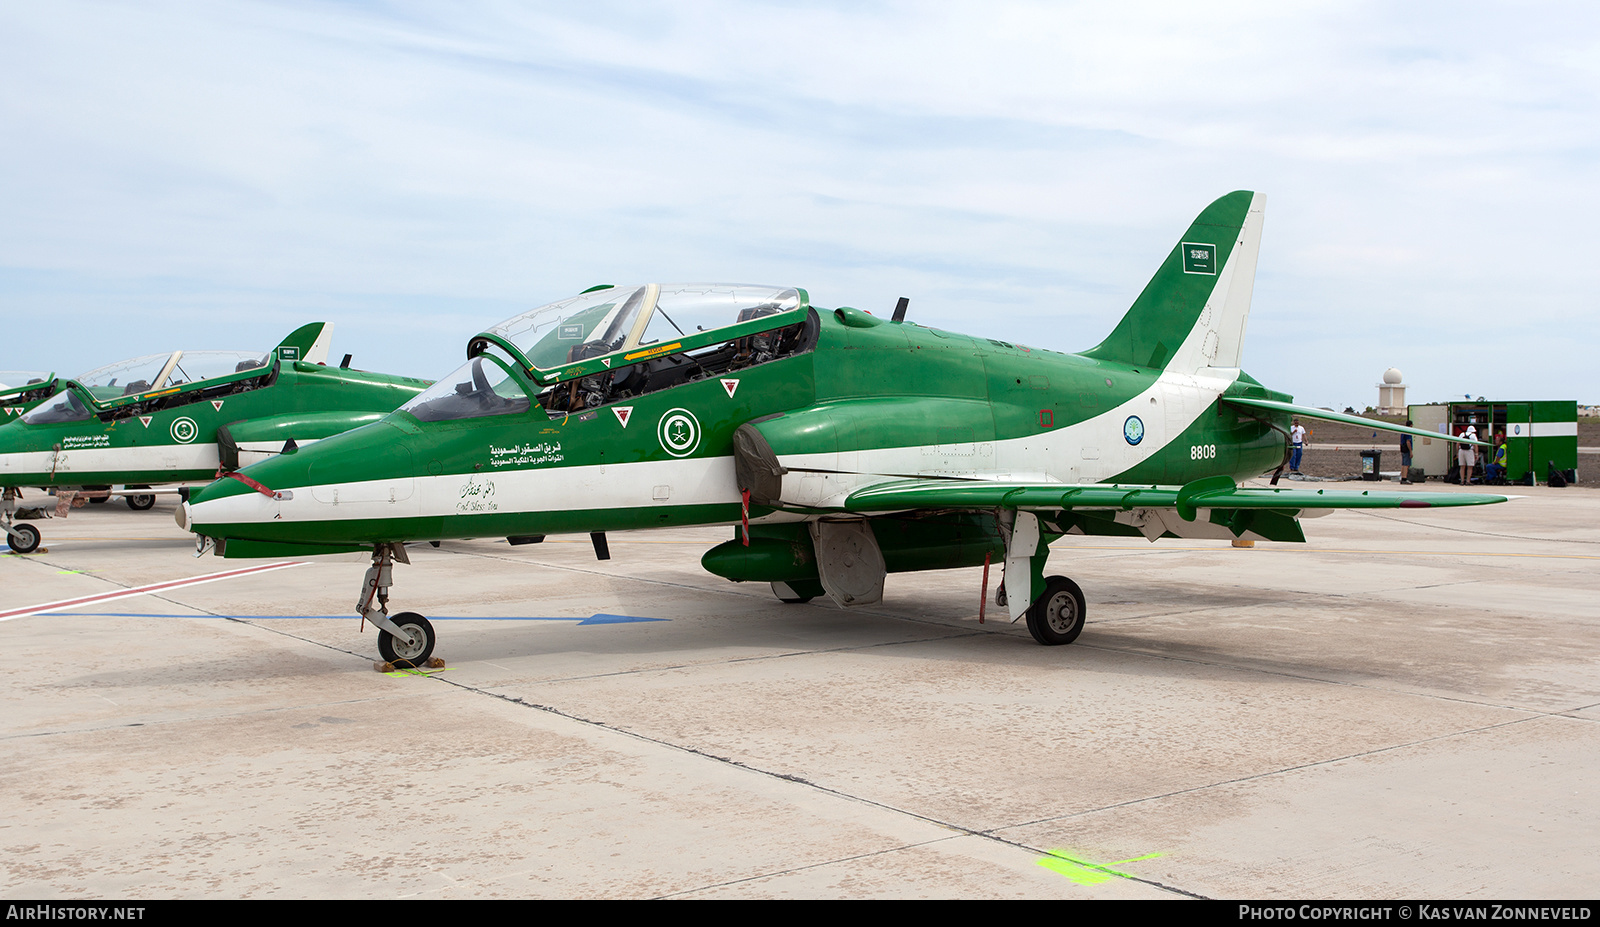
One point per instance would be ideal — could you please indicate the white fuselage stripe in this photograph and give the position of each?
(1052, 456)
(108, 459)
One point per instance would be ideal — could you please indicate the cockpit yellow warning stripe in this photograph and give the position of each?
(651, 352)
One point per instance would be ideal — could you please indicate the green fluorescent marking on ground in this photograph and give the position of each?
(1084, 872)
(77, 571)
(418, 672)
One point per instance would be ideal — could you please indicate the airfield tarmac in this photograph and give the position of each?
(1405, 707)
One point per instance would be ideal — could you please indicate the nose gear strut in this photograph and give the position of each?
(407, 639)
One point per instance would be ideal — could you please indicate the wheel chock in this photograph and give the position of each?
(432, 663)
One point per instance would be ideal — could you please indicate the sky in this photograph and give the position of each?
(179, 175)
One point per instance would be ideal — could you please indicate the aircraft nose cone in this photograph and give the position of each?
(181, 515)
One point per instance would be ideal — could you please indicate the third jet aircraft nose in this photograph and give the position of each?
(343, 490)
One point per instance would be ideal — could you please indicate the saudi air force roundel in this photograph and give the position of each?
(679, 432)
(184, 430)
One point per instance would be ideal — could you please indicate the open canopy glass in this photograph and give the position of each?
(612, 319)
(143, 374)
(664, 335)
(13, 379)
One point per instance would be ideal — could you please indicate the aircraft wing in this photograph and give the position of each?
(1214, 507)
(1210, 493)
(1326, 416)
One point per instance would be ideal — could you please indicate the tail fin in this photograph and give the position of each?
(309, 343)
(1192, 313)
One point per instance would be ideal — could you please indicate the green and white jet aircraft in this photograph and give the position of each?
(21, 390)
(848, 445)
(182, 417)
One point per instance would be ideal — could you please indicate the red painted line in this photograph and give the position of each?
(142, 590)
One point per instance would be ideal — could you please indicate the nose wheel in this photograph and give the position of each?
(411, 651)
(24, 539)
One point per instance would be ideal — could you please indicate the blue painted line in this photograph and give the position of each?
(592, 619)
(609, 619)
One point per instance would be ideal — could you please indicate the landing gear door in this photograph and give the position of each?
(849, 561)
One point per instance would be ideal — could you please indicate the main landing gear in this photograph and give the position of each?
(1056, 617)
(405, 640)
(1055, 614)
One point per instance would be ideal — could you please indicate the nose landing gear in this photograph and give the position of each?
(23, 539)
(407, 639)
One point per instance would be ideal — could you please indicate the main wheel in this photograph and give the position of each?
(414, 652)
(26, 539)
(1057, 616)
(141, 503)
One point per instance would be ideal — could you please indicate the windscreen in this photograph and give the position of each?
(481, 387)
(65, 407)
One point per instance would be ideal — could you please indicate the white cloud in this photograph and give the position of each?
(1017, 169)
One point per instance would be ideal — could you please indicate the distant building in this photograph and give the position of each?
(1391, 394)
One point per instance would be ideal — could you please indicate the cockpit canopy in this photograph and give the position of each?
(604, 321)
(141, 375)
(16, 379)
(677, 326)
(156, 371)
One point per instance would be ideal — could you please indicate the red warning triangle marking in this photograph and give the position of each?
(623, 414)
(145, 420)
(606, 361)
(216, 404)
(731, 385)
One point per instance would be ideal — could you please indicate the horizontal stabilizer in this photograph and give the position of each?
(1326, 416)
